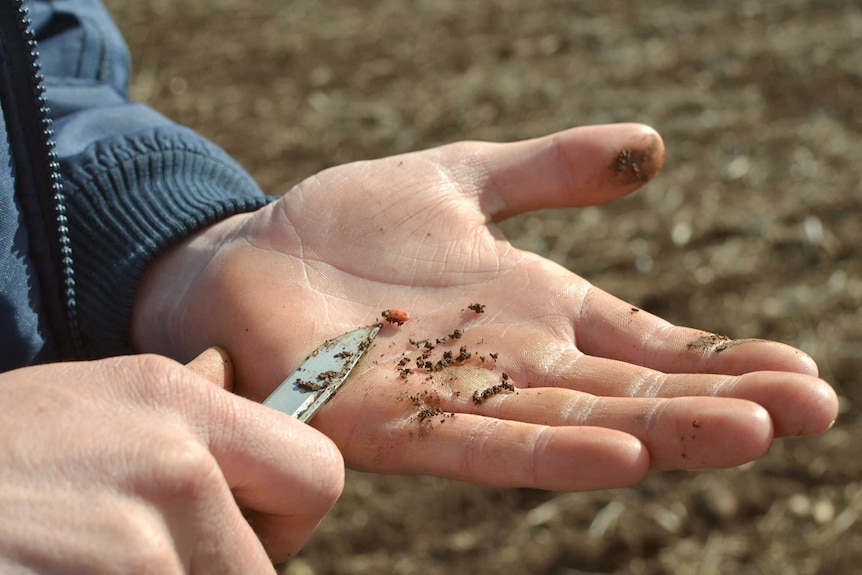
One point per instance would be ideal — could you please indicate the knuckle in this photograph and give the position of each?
(184, 468)
(147, 545)
(172, 377)
(152, 365)
(159, 381)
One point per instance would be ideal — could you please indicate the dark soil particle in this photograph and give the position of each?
(429, 412)
(711, 343)
(480, 396)
(308, 385)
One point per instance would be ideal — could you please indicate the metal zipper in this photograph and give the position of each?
(46, 178)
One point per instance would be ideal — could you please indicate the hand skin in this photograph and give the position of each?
(603, 393)
(140, 465)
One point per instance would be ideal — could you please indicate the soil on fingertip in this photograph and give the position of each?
(711, 343)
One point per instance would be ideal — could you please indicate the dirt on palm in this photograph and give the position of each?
(753, 229)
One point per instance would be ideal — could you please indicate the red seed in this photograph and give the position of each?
(396, 316)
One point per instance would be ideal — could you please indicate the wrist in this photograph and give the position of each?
(172, 286)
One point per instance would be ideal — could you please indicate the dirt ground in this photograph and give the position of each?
(753, 229)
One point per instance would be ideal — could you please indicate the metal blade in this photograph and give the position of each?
(322, 373)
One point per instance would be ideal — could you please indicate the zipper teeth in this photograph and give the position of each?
(57, 193)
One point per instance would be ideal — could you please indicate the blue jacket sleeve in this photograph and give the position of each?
(135, 182)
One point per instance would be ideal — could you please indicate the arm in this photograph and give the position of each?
(134, 182)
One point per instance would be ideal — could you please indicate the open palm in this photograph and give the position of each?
(512, 370)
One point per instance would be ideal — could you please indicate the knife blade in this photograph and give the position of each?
(322, 374)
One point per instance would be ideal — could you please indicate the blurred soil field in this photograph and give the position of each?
(753, 229)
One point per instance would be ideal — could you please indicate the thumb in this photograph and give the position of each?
(578, 167)
(214, 364)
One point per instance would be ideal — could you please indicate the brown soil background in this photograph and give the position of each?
(753, 229)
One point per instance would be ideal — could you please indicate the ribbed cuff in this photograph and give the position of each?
(128, 201)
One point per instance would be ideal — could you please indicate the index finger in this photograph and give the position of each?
(611, 328)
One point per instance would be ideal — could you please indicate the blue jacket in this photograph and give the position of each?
(92, 186)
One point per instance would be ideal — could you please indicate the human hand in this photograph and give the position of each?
(138, 465)
(603, 391)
